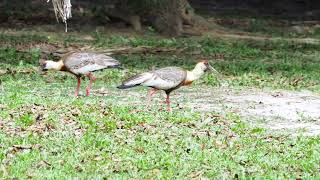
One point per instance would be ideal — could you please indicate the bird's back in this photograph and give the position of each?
(174, 74)
(85, 62)
(167, 78)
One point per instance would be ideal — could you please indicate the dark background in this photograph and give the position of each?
(308, 9)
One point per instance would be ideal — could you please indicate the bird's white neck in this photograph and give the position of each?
(195, 74)
(54, 65)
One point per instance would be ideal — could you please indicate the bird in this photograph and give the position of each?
(167, 79)
(80, 64)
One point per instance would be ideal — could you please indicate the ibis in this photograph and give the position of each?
(81, 64)
(167, 79)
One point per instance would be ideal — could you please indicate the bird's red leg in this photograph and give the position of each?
(78, 86)
(168, 103)
(150, 93)
(92, 78)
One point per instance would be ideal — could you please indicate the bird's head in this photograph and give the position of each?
(43, 65)
(46, 65)
(205, 66)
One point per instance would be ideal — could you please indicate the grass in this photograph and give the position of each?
(47, 133)
(90, 137)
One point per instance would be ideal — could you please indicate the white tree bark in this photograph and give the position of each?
(62, 9)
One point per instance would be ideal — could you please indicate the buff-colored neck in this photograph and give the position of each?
(54, 65)
(196, 73)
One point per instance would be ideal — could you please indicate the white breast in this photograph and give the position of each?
(159, 83)
(88, 68)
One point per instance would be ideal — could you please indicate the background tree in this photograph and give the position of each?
(166, 16)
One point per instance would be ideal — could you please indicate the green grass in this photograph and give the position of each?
(92, 137)
(98, 137)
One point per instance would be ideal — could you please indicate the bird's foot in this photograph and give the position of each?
(160, 109)
(79, 95)
(87, 92)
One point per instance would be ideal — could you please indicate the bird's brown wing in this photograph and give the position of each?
(85, 62)
(175, 75)
(136, 80)
(105, 60)
(166, 78)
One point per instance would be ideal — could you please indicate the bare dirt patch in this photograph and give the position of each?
(281, 111)
(276, 110)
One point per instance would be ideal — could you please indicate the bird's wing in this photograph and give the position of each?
(136, 80)
(85, 62)
(105, 60)
(166, 78)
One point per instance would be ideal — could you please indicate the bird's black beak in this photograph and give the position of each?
(42, 71)
(213, 70)
(42, 63)
(209, 68)
(42, 67)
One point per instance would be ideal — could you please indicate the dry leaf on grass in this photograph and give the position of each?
(195, 174)
(43, 164)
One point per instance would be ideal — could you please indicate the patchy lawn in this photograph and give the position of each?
(220, 128)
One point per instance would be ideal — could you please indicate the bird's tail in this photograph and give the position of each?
(117, 66)
(135, 81)
(122, 86)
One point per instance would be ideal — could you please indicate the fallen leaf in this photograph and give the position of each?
(98, 158)
(22, 146)
(195, 174)
(3, 71)
(43, 164)
(139, 150)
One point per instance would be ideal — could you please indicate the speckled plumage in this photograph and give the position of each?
(84, 62)
(171, 74)
(81, 63)
(166, 79)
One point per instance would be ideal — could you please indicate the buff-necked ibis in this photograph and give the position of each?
(167, 79)
(79, 64)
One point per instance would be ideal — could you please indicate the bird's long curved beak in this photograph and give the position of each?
(42, 71)
(214, 71)
(41, 68)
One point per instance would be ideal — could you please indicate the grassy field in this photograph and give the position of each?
(46, 132)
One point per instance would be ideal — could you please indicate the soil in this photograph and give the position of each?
(291, 112)
(276, 110)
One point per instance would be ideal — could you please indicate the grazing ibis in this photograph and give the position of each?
(167, 79)
(79, 64)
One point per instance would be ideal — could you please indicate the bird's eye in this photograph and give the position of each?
(43, 65)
